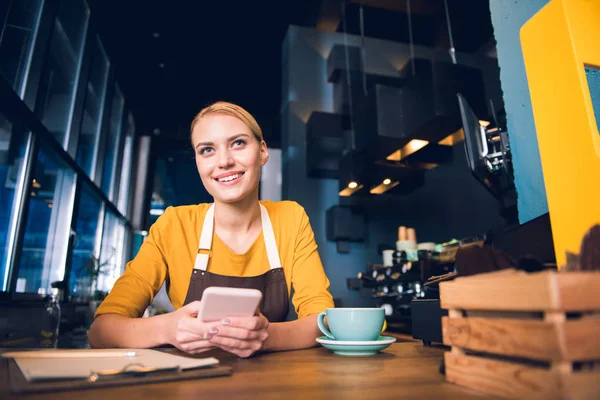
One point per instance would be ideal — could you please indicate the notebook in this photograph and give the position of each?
(72, 364)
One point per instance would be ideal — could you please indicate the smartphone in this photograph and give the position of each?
(222, 302)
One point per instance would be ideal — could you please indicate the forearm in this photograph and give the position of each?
(293, 335)
(113, 330)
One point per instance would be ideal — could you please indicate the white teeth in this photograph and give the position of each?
(229, 178)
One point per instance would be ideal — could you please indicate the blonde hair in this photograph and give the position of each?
(223, 107)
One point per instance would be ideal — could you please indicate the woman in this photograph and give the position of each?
(244, 242)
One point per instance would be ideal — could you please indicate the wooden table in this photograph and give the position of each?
(404, 370)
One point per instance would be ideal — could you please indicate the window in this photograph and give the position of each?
(125, 190)
(87, 243)
(112, 144)
(60, 74)
(48, 224)
(111, 253)
(20, 19)
(127, 243)
(89, 135)
(12, 154)
(51, 48)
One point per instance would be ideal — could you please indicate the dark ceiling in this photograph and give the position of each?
(205, 51)
(173, 58)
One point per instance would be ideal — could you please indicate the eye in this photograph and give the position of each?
(239, 143)
(205, 150)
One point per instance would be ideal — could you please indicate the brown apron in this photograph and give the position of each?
(272, 284)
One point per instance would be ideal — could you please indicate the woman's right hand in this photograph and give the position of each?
(186, 332)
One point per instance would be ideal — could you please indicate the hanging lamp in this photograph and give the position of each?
(428, 96)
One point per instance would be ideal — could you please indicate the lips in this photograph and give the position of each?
(230, 177)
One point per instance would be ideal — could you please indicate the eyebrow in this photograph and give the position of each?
(230, 139)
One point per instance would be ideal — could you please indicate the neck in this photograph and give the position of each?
(238, 217)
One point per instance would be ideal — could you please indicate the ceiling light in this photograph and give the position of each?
(484, 123)
(384, 187)
(351, 189)
(411, 147)
(427, 166)
(453, 138)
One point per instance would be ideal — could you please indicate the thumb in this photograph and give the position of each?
(191, 308)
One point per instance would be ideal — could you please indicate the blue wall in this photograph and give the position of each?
(593, 79)
(508, 16)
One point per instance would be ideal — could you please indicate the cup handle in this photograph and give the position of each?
(321, 325)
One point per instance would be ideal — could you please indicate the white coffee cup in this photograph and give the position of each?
(388, 258)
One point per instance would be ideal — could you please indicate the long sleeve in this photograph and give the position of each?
(311, 285)
(144, 275)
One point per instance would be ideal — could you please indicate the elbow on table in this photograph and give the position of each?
(97, 334)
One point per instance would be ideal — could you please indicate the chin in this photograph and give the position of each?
(232, 197)
(229, 199)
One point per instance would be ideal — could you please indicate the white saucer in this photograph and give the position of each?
(356, 348)
(380, 340)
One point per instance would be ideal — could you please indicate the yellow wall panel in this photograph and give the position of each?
(558, 42)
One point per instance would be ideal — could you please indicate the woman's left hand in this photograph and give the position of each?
(242, 336)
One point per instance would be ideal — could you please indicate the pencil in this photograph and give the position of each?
(69, 354)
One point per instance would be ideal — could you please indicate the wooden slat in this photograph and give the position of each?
(520, 338)
(579, 290)
(500, 291)
(505, 379)
(535, 339)
(582, 339)
(582, 385)
(520, 291)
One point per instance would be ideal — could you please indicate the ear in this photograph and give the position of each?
(264, 153)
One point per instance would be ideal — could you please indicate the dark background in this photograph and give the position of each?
(173, 58)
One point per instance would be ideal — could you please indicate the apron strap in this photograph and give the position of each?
(205, 244)
(269, 236)
(204, 247)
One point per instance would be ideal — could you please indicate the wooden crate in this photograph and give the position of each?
(520, 335)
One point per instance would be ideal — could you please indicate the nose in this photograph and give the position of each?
(225, 159)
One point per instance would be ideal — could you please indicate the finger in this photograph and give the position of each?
(192, 308)
(187, 337)
(249, 323)
(197, 346)
(236, 343)
(238, 352)
(201, 350)
(241, 333)
(191, 330)
(200, 329)
(182, 337)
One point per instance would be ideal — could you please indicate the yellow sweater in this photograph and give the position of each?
(169, 251)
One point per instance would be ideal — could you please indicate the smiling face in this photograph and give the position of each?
(228, 157)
